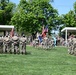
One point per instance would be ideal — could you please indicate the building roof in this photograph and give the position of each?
(6, 27)
(69, 29)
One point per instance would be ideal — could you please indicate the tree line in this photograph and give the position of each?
(30, 15)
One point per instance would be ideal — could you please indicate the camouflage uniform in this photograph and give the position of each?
(15, 44)
(35, 43)
(22, 45)
(1, 44)
(6, 44)
(45, 42)
(72, 46)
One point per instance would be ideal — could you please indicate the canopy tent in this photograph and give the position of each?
(6, 27)
(68, 29)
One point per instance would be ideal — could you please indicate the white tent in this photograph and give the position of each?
(6, 27)
(68, 29)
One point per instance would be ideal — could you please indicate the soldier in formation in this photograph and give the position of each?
(13, 44)
(22, 44)
(6, 44)
(72, 45)
(1, 44)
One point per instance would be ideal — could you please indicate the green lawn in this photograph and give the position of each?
(56, 61)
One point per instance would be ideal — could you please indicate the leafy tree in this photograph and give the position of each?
(31, 15)
(3, 4)
(6, 11)
(74, 7)
(69, 19)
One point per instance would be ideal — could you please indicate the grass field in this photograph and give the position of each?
(56, 61)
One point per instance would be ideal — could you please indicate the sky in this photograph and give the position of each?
(63, 6)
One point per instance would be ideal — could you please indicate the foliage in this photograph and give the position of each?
(6, 11)
(69, 19)
(3, 4)
(32, 15)
(1, 16)
(74, 7)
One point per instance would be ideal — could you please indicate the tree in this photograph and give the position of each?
(31, 15)
(6, 11)
(74, 7)
(3, 4)
(69, 20)
(1, 16)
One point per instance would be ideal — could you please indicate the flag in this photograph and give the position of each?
(12, 32)
(44, 31)
(46, 28)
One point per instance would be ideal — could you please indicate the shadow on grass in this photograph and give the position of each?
(28, 53)
(7, 54)
(47, 49)
(3, 55)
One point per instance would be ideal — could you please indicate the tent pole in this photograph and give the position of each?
(66, 36)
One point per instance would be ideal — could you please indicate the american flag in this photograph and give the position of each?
(44, 31)
(46, 28)
(12, 32)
